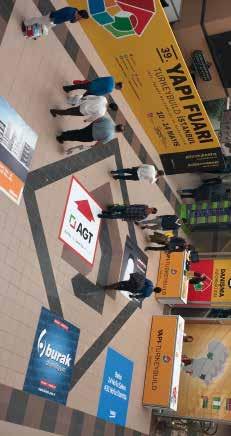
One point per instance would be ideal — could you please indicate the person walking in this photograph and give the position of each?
(226, 179)
(143, 173)
(206, 191)
(90, 106)
(58, 16)
(163, 222)
(101, 130)
(138, 286)
(99, 86)
(133, 212)
(174, 244)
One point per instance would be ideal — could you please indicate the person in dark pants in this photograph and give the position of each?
(91, 106)
(143, 173)
(163, 222)
(212, 181)
(138, 286)
(164, 3)
(58, 17)
(216, 192)
(99, 86)
(174, 244)
(101, 130)
(133, 212)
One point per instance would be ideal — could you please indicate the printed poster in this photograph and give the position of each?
(161, 385)
(52, 359)
(115, 390)
(216, 289)
(80, 225)
(138, 47)
(17, 146)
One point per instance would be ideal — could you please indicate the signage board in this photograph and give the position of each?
(157, 84)
(216, 289)
(115, 390)
(17, 146)
(172, 279)
(80, 225)
(164, 362)
(52, 359)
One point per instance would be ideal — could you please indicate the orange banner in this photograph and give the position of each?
(160, 361)
(170, 274)
(10, 184)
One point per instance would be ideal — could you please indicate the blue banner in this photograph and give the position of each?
(52, 359)
(115, 390)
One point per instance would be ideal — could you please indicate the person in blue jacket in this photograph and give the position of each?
(58, 16)
(99, 86)
(138, 286)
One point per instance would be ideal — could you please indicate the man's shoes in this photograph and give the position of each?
(23, 27)
(100, 215)
(53, 112)
(59, 139)
(146, 249)
(66, 88)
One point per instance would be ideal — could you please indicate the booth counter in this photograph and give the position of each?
(163, 367)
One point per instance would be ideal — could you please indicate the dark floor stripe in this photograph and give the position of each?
(56, 171)
(71, 46)
(49, 416)
(6, 8)
(17, 407)
(42, 250)
(45, 6)
(55, 418)
(76, 423)
(88, 292)
(119, 431)
(101, 342)
(99, 427)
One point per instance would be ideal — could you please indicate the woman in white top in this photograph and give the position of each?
(90, 106)
(144, 172)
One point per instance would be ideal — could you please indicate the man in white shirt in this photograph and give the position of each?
(90, 106)
(144, 172)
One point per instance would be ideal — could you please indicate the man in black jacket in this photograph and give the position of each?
(138, 286)
(163, 222)
(174, 244)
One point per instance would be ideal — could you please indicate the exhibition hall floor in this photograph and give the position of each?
(36, 269)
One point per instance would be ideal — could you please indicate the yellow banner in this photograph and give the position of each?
(160, 360)
(138, 47)
(170, 274)
(221, 288)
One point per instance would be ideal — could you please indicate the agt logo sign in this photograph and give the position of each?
(80, 226)
(85, 209)
(122, 18)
